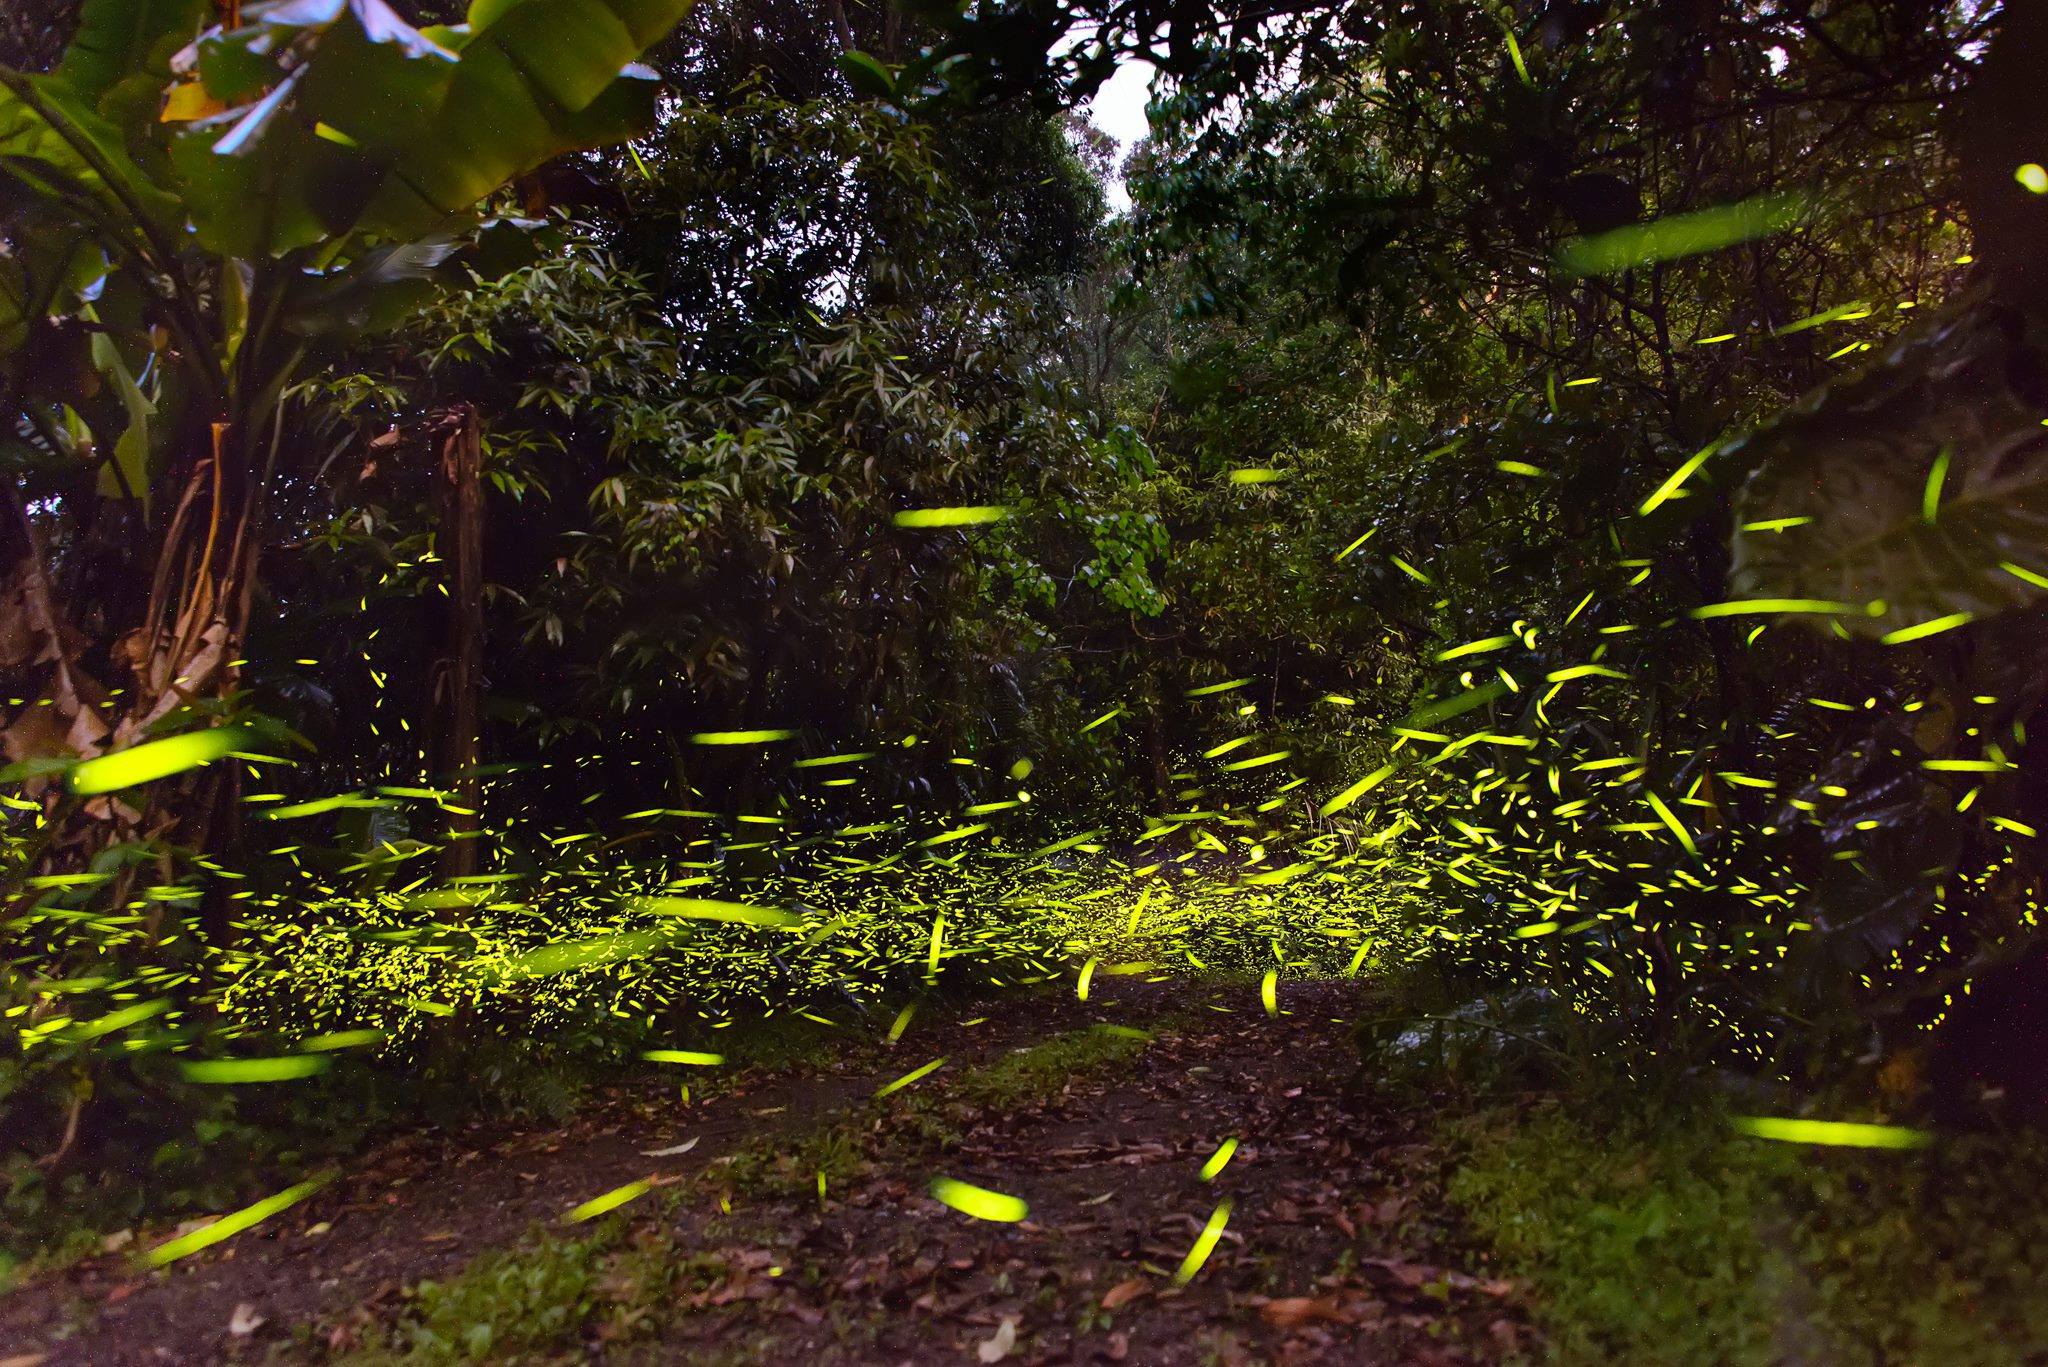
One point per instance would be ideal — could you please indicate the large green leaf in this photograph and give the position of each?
(645, 22)
(394, 131)
(299, 153)
(248, 177)
(121, 38)
(374, 293)
(1859, 458)
(467, 153)
(376, 83)
(56, 146)
(14, 305)
(51, 267)
(570, 49)
(126, 471)
(545, 96)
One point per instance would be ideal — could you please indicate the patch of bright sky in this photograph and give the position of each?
(1118, 109)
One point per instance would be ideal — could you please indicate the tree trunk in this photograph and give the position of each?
(462, 527)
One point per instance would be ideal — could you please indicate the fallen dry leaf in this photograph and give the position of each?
(672, 1150)
(997, 1346)
(1406, 1273)
(1291, 1312)
(1123, 1293)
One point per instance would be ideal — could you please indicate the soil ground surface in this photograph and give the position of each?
(798, 1226)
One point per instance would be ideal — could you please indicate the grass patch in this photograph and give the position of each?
(1667, 1238)
(1043, 1070)
(553, 1295)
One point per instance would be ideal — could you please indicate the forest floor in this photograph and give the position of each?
(796, 1224)
(781, 1211)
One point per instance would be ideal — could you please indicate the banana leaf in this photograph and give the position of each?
(394, 132)
(119, 39)
(55, 146)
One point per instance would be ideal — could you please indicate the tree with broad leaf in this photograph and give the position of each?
(193, 205)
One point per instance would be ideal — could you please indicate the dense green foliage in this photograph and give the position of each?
(1546, 493)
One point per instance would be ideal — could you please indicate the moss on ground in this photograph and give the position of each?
(547, 1296)
(1041, 1072)
(1668, 1238)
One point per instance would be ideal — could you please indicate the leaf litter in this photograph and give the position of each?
(1334, 1246)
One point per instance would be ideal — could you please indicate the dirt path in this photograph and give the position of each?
(1336, 1247)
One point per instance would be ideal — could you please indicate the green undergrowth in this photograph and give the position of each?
(180, 1151)
(168, 1150)
(1041, 1071)
(612, 1286)
(1664, 1236)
